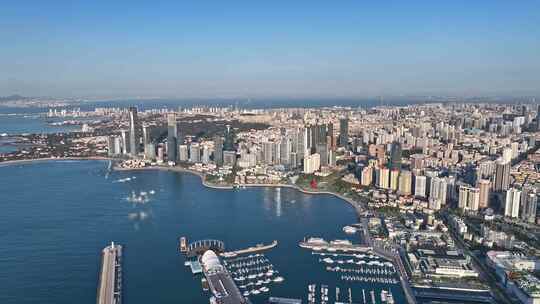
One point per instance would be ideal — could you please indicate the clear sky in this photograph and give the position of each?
(269, 48)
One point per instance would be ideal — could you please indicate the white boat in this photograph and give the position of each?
(255, 292)
(246, 293)
(279, 279)
(390, 298)
(384, 293)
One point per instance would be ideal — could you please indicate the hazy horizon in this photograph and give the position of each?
(170, 49)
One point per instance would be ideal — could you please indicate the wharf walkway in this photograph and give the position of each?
(257, 248)
(110, 279)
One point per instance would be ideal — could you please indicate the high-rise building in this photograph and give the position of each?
(343, 132)
(507, 154)
(484, 185)
(125, 142)
(312, 163)
(405, 182)
(229, 158)
(511, 206)
(110, 146)
(172, 138)
(367, 176)
(437, 196)
(268, 148)
(417, 161)
(146, 135)
(228, 144)
(420, 186)
(322, 149)
(183, 153)
(469, 198)
(502, 175)
(150, 151)
(383, 177)
(394, 179)
(538, 118)
(529, 203)
(194, 153)
(133, 132)
(205, 159)
(395, 156)
(218, 150)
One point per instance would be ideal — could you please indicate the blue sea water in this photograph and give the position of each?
(56, 216)
(15, 124)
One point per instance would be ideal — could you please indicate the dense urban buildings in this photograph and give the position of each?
(436, 181)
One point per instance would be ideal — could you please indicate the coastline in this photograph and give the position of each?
(35, 160)
(201, 175)
(353, 203)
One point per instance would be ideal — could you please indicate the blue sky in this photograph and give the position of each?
(269, 48)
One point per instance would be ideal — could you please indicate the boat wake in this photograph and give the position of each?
(125, 180)
(142, 197)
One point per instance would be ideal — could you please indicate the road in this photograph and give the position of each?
(486, 274)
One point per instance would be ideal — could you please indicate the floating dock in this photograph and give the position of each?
(110, 279)
(257, 248)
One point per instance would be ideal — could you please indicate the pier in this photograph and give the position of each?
(110, 279)
(220, 282)
(199, 247)
(257, 248)
(318, 244)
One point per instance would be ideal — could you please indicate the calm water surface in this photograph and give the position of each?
(56, 217)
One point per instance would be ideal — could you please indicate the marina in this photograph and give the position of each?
(254, 274)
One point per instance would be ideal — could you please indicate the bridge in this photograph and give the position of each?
(199, 247)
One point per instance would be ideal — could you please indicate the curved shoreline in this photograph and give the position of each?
(201, 175)
(36, 160)
(350, 201)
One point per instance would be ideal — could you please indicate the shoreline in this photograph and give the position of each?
(201, 175)
(348, 200)
(35, 160)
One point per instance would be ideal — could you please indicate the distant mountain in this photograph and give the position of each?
(12, 98)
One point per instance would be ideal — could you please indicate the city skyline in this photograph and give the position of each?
(247, 50)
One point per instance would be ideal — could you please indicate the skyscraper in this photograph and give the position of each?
(228, 145)
(218, 150)
(529, 203)
(502, 175)
(394, 179)
(420, 186)
(133, 132)
(405, 182)
(469, 198)
(395, 156)
(538, 119)
(343, 132)
(367, 176)
(511, 207)
(172, 138)
(484, 186)
(383, 177)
